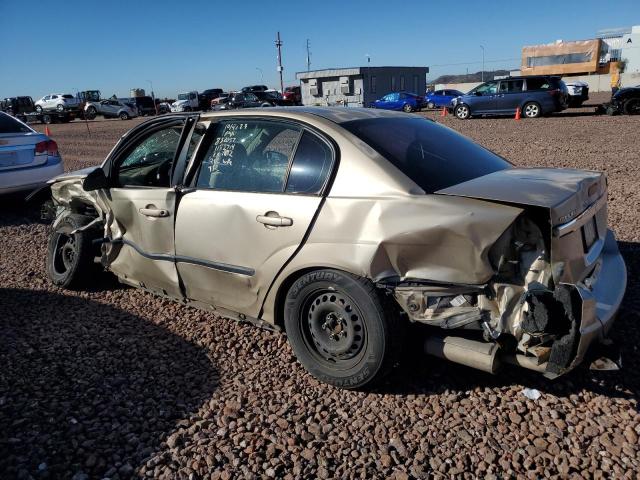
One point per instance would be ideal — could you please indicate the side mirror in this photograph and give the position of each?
(95, 180)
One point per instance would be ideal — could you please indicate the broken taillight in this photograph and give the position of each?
(47, 147)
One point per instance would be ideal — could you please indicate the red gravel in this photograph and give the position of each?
(116, 383)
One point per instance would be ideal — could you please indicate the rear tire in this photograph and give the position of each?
(531, 110)
(632, 106)
(38, 109)
(431, 105)
(342, 330)
(60, 107)
(48, 119)
(70, 256)
(407, 108)
(91, 113)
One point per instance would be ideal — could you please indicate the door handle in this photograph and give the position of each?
(273, 219)
(154, 212)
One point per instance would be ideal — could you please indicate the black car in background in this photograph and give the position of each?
(17, 106)
(272, 99)
(206, 96)
(144, 105)
(239, 100)
(626, 100)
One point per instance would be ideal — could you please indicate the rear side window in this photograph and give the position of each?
(311, 165)
(433, 156)
(9, 124)
(67, 96)
(538, 83)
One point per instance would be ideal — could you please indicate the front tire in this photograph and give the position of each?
(60, 107)
(91, 113)
(462, 112)
(341, 329)
(431, 105)
(531, 110)
(70, 256)
(38, 109)
(124, 116)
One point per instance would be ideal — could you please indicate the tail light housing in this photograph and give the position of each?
(555, 92)
(47, 147)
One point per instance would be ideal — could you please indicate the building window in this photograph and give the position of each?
(372, 84)
(415, 84)
(393, 83)
(402, 83)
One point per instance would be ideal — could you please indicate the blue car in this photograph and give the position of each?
(442, 98)
(535, 96)
(408, 102)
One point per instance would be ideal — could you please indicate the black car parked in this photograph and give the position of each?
(626, 100)
(17, 106)
(144, 105)
(206, 96)
(272, 99)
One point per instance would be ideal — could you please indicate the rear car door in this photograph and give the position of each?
(143, 202)
(258, 186)
(509, 96)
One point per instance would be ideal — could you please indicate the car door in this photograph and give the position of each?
(509, 96)
(142, 200)
(257, 188)
(483, 98)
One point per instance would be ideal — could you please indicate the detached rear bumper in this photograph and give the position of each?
(601, 298)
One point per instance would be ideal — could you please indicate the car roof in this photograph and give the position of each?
(334, 114)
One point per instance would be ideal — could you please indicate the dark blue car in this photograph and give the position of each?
(442, 98)
(535, 95)
(408, 102)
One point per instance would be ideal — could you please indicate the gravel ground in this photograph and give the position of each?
(116, 383)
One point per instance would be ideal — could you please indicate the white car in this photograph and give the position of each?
(57, 101)
(186, 102)
(109, 109)
(578, 92)
(27, 158)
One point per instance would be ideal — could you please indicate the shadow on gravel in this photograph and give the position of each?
(87, 387)
(14, 210)
(425, 375)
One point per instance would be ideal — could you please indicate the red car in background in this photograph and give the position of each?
(293, 94)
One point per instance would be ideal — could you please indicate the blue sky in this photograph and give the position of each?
(112, 46)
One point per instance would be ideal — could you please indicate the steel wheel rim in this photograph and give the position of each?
(333, 328)
(531, 110)
(64, 257)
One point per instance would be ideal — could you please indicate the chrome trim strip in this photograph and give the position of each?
(573, 225)
(224, 267)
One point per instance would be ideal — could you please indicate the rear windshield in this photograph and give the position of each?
(11, 125)
(433, 156)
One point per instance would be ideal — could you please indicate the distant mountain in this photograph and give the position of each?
(471, 77)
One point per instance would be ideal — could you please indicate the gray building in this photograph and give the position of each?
(359, 86)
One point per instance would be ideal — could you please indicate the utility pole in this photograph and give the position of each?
(308, 56)
(280, 69)
(482, 74)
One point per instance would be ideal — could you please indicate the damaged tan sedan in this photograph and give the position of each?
(341, 226)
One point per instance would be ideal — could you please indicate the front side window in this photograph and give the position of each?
(149, 163)
(489, 88)
(311, 166)
(248, 156)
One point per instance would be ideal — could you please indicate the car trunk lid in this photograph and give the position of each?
(576, 201)
(17, 150)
